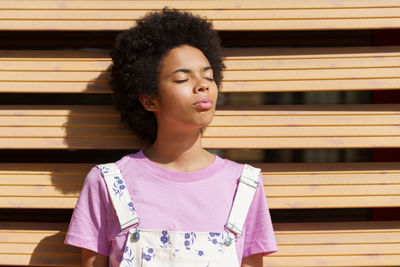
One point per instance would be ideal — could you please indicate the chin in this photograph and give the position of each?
(205, 122)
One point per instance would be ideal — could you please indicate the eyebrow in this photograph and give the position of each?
(187, 70)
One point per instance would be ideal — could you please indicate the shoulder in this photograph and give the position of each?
(127, 160)
(232, 165)
(235, 167)
(123, 163)
(94, 177)
(131, 163)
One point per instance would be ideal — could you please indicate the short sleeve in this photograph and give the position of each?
(88, 226)
(259, 233)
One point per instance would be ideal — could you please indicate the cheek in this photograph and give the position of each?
(214, 92)
(175, 98)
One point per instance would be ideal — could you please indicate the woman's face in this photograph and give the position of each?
(187, 93)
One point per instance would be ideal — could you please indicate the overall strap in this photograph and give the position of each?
(119, 195)
(248, 183)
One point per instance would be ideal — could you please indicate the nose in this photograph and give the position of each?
(202, 86)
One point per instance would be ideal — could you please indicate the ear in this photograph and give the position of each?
(148, 102)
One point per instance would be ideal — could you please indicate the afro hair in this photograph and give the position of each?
(137, 56)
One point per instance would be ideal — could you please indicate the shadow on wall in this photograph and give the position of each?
(51, 251)
(38, 244)
(82, 127)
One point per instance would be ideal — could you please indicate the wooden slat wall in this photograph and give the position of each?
(36, 244)
(319, 244)
(275, 126)
(226, 15)
(341, 244)
(250, 70)
(287, 185)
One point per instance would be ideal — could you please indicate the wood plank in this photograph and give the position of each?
(289, 143)
(312, 244)
(337, 260)
(225, 4)
(30, 202)
(257, 70)
(276, 126)
(226, 110)
(349, 237)
(228, 53)
(36, 244)
(308, 52)
(225, 15)
(240, 114)
(63, 202)
(45, 248)
(229, 76)
(263, 63)
(211, 132)
(339, 244)
(332, 190)
(231, 13)
(287, 185)
(242, 120)
(391, 192)
(221, 25)
(343, 250)
(340, 175)
(97, 87)
(40, 260)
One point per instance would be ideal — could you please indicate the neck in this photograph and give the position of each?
(179, 151)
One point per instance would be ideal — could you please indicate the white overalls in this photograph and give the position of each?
(161, 248)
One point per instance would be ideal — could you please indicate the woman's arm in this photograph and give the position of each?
(93, 259)
(255, 260)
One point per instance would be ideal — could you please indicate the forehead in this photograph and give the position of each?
(184, 56)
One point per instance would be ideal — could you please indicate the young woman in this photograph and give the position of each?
(184, 206)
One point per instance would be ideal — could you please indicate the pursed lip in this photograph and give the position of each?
(203, 100)
(203, 104)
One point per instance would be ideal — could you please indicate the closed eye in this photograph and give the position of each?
(181, 81)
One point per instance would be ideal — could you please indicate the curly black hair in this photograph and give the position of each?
(137, 58)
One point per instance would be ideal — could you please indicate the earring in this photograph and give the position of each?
(150, 105)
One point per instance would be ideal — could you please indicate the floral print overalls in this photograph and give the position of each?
(162, 248)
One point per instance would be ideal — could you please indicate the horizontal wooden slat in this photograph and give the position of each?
(276, 126)
(213, 133)
(248, 70)
(225, 15)
(247, 120)
(299, 244)
(287, 185)
(229, 53)
(289, 143)
(91, 65)
(98, 87)
(36, 244)
(226, 4)
(336, 244)
(228, 13)
(320, 23)
(64, 197)
(337, 260)
(236, 76)
(329, 185)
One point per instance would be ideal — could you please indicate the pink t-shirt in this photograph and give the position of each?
(198, 201)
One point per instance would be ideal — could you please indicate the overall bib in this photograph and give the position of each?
(162, 248)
